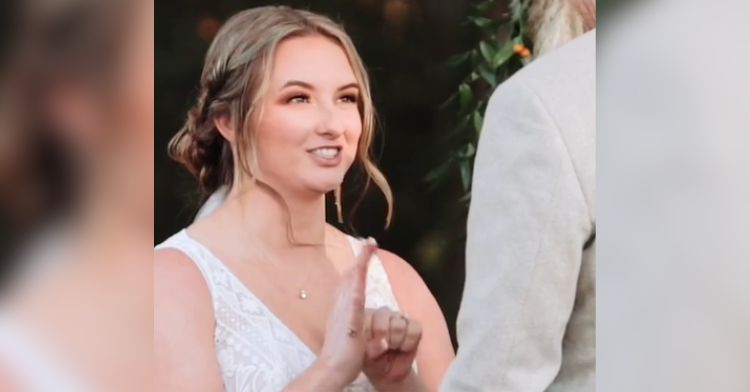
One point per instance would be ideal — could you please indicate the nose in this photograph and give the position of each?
(331, 124)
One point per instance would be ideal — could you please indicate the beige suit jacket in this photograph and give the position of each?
(527, 317)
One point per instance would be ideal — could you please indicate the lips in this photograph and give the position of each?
(326, 155)
(326, 152)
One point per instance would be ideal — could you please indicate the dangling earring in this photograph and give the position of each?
(337, 201)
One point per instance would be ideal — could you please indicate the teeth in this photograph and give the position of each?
(326, 152)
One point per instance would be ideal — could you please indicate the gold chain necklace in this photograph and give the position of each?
(272, 265)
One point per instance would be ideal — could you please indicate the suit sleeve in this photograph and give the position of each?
(527, 224)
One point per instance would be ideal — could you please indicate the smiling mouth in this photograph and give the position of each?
(326, 152)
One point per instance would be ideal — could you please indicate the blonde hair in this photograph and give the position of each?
(235, 79)
(552, 23)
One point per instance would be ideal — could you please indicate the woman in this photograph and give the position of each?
(262, 294)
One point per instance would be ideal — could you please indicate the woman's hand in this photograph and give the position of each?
(341, 358)
(391, 348)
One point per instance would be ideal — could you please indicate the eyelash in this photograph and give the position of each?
(301, 96)
(351, 98)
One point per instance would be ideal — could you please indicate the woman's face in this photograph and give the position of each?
(308, 133)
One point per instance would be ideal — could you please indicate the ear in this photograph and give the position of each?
(225, 126)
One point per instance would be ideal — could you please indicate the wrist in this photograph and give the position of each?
(409, 383)
(326, 377)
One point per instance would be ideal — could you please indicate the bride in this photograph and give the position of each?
(262, 294)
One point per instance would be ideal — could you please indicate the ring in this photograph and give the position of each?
(406, 328)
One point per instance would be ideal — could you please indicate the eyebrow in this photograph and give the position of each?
(311, 87)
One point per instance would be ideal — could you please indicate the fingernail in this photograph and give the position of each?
(383, 344)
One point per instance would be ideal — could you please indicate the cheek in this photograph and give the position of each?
(280, 132)
(353, 135)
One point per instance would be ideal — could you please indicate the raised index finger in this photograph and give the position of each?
(358, 281)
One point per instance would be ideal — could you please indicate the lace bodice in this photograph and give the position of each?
(255, 350)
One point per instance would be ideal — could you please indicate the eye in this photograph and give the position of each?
(350, 98)
(299, 98)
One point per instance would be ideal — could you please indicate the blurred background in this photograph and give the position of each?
(406, 46)
(76, 194)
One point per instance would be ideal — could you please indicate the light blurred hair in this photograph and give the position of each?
(553, 23)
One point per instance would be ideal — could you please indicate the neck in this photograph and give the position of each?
(279, 220)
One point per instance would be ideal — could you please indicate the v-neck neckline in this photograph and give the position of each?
(249, 292)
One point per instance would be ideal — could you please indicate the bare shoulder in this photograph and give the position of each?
(183, 326)
(180, 291)
(173, 269)
(179, 286)
(396, 265)
(408, 286)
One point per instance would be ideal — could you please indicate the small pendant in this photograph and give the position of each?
(303, 294)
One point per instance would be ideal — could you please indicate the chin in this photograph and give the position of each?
(323, 189)
(324, 185)
(325, 180)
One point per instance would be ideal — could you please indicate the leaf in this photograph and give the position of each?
(457, 59)
(478, 120)
(481, 21)
(502, 55)
(485, 6)
(465, 198)
(475, 57)
(439, 171)
(465, 168)
(465, 96)
(488, 52)
(516, 9)
(467, 151)
(488, 76)
(448, 101)
(461, 125)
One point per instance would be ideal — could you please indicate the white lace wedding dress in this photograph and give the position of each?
(255, 350)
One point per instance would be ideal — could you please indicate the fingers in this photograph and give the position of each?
(367, 325)
(361, 266)
(358, 281)
(392, 344)
(389, 330)
(354, 286)
(379, 327)
(397, 330)
(412, 337)
(345, 343)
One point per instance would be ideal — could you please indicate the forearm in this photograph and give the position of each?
(317, 377)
